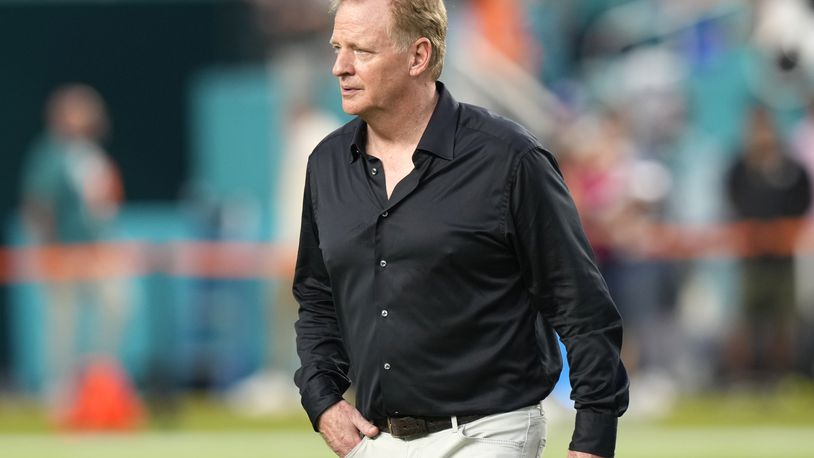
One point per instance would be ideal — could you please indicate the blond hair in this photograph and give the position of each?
(414, 19)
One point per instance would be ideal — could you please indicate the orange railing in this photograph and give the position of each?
(266, 260)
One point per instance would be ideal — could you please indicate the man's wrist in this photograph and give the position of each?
(316, 407)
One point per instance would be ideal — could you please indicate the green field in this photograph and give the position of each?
(722, 426)
(634, 442)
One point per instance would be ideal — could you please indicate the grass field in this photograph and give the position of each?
(721, 426)
(634, 442)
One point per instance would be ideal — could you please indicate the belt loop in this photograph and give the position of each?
(454, 423)
(540, 406)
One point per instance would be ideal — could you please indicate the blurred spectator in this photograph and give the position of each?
(71, 191)
(596, 165)
(765, 185)
(70, 186)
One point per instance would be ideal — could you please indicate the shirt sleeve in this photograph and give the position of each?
(322, 377)
(568, 290)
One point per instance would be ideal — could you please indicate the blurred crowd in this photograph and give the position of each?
(685, 131)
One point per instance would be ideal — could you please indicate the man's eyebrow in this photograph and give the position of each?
(350, 45)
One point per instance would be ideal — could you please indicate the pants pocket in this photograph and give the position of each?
(505, 430)
(356, 449)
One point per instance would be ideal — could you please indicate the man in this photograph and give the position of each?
(439, 253)
(764, 187)
(71, 193)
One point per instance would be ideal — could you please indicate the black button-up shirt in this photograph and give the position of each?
(445, 298)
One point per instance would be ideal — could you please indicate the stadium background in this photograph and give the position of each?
(213, 105)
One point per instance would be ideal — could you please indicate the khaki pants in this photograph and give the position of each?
(517, 434)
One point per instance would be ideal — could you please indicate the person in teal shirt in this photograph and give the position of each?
(71, 191)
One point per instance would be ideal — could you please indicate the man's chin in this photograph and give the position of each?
(351, 109)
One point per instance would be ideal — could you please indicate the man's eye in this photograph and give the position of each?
(361, 51)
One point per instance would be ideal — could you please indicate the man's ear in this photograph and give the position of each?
(421, 51)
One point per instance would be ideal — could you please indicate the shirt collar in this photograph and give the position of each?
(438, 137)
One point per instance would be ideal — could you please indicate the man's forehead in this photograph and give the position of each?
(357, 27)
(351, 37)
(363, 12)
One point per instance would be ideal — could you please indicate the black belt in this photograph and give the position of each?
(410, 427)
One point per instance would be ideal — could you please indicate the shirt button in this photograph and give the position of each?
(374, 171)
(383, 263)
(387, 366)
(384, 215)
(384, 313)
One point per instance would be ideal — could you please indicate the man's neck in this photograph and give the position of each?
(406, 126)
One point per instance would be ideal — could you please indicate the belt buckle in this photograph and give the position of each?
(407, 427)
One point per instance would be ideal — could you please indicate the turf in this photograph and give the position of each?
(714, 426)
(635, 442)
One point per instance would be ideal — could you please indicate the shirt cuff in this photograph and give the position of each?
(595, 433)
(316, 407)
(319, 390)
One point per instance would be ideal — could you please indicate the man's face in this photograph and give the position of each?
(372, 72)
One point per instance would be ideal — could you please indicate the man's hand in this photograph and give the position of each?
(342, 426)
(573, 454)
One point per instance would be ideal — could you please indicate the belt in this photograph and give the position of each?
(411, 427)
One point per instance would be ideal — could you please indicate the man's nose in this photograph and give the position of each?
(343, 64)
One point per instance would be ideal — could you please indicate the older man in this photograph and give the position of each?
(440, 255)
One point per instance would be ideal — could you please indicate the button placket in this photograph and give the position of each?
(381, 297)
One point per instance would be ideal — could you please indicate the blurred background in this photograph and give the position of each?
(151, 176)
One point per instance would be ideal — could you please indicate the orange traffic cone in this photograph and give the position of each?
(105, 400)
